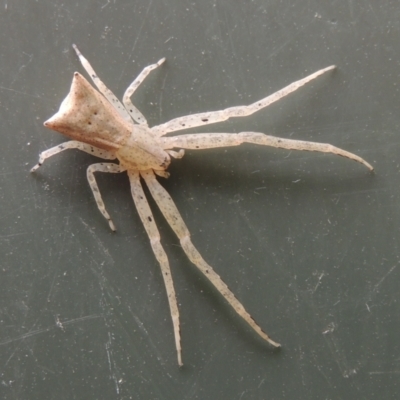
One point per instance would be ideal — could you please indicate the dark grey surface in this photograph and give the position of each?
(308, 242)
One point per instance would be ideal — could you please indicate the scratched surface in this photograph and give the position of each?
(308, 242)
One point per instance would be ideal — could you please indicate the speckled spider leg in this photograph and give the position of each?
(128, 108)
(108, 94)
(148, 221)
(211, 140)
(73, 144)
(172, 215)
(102, 167)
(135, 113)
(206, 118)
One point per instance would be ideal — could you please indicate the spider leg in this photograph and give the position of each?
(171, 214)
(133, 111)
(147, 218)
(102, 167)
(108, 94)
(175, 154)
(73, 144)
(210, 140)
(206, 118)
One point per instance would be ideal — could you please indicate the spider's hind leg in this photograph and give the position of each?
(172, 215)
(201, 141)
(147, 218)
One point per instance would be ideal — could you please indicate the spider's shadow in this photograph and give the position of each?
(248, 167)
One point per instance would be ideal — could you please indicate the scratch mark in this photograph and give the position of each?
(108, 352)
(139, 32)
(59, 323)
(48, 329)
(12, 235)
(160, 100)
(330, 328)
(11, 356)
(140, 325)
(58, 259)
(319, 282)
(320, 276)
(141, 26)
(395, 372)
(19, 92)
(338, 355)
(376, 287)
(354, 192)
(99, 243)
(26, 335)
(10, 212)
(110, 362)
(290, 39)
(74, 320)
(200, 87)
(144, 330)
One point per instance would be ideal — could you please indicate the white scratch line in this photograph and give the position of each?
(384, 277)
(73, 321)
(12, 235)
(110, 362)
(27, 335)
(50, 328)
(18, 92)
(99, 243)
(384, 372)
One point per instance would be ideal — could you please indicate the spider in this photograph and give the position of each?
(99, 124)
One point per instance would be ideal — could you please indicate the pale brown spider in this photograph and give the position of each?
(101, 125)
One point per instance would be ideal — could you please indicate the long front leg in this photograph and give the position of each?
(73, 144)
(108, 94)
(194, 120)
(135, 113)
(211, 140)
(172, 215)
(148, 221)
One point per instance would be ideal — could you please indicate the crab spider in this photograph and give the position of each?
(99, 124)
